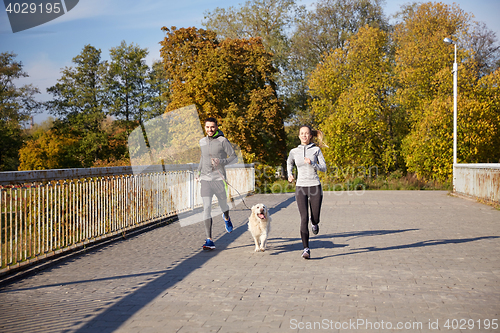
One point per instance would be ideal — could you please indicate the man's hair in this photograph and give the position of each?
(211, 120)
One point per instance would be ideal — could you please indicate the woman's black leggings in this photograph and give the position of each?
(308, 196)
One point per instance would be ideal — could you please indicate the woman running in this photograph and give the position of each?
(308, 192)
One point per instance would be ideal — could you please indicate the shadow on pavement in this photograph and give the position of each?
(130, 304)
(283, 245)
(282, 205)
(432, 242)
(84, 281)
(325, 241)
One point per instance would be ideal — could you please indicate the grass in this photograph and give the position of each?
(408, 182)
(393, 182)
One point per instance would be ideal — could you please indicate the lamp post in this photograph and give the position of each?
(455, 73)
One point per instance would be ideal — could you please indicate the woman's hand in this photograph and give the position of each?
(290, 178)
(307, 160)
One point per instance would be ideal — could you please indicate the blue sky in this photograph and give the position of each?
(46, 49)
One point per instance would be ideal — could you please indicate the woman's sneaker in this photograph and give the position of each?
(229, 225)
(315, 229)
(306, 254)
(209, 245)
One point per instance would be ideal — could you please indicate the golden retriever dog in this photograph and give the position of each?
(259, 224)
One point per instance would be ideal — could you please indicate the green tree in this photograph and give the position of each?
(16, 106)
(158, 91)
(232, 80)
(79, 103)
(126, 81)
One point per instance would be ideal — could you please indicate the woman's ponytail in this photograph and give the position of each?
(317, 137)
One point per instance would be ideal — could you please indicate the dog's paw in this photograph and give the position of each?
(257, 249)
(262, 249)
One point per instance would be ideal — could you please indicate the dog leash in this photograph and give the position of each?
(224, 179)
(227, 183)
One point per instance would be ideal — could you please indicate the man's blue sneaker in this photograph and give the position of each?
(229, 225)
(209, 245)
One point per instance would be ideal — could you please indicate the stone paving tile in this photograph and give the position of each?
(381, 258)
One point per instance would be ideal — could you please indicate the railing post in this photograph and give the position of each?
(1, 225)
(191, 188)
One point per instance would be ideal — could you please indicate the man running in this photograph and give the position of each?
(216, 153)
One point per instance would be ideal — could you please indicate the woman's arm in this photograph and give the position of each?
(289, 166)
(321, 164)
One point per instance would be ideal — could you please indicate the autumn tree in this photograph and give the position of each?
(352, 103)
(17, 104)
(425, 92)
(44, 148)
(482, 143)
(271, 20)
(387, 99)
(115, 152)
(49, 150)
(231, 80)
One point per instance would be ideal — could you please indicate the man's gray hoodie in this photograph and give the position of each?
(307, 173)
(216, 146)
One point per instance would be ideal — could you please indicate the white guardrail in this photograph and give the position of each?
(47, 212)
(480, 181)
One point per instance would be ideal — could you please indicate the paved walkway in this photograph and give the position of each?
(383, 260)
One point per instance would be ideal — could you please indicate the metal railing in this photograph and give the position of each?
(47, 212)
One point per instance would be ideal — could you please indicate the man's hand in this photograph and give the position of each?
(215, 162)
(290, 178)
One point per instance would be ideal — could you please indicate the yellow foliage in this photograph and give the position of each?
(48, 151)
(423, 68)
(383, 103)
(351, 102)
(231, 80)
